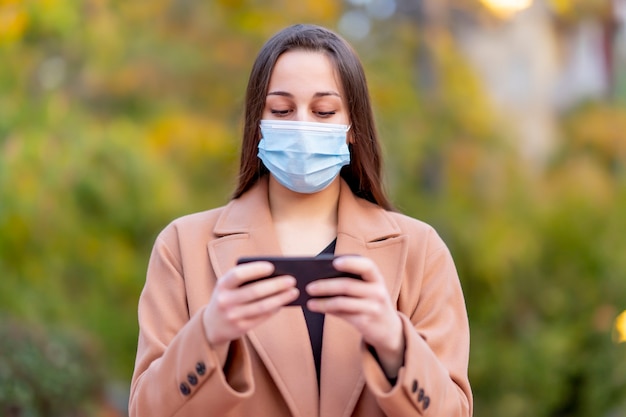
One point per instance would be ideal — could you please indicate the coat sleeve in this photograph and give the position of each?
(177, 372)
(434, 378)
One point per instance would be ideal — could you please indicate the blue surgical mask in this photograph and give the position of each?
(303, 156)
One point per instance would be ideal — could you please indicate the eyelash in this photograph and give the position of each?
(280, 113)
(283, 113)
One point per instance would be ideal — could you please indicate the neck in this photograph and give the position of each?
(289, 206)
(304, 223)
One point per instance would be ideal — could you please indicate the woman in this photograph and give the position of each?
(394, 343)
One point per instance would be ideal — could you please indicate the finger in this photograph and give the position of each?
(359, 265)
(249, 293)
(263, 289)
(344, 306)
(339, 286)
(243, 273)
(264, 306)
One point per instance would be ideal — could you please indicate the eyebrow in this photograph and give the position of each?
(318, 94)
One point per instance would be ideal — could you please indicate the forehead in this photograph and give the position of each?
(305, 71)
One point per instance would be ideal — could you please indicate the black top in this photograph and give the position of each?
(315, 323)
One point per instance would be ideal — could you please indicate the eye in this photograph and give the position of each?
(280, 113)
(325, 113)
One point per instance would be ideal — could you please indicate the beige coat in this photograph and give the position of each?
(271, 371)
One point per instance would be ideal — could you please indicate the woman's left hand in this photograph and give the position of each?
(365, 304)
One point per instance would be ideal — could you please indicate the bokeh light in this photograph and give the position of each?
(620, 328)
(507, 8)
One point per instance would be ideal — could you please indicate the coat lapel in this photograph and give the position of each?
(246, 228)
(282, 342)
(364, 229)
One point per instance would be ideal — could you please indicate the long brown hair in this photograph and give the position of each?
(364, 172)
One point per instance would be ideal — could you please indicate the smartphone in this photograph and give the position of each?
(304, 268)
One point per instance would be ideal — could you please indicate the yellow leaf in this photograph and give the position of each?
(620, 328)
(561, 7)
(13, 22)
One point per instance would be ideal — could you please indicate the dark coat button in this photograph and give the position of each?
(426, 402)
(184, 388)
(420, 395)
(193, 380)
(415, 385)
(200, 368)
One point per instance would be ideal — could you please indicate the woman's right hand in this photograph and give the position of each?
(235, 308)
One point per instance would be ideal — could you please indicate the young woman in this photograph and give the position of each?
(393, 343)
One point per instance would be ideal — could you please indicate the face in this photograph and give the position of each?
(304, 86)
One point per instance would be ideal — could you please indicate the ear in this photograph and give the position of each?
(350, 136)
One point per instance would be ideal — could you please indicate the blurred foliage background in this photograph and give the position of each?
(116, 117)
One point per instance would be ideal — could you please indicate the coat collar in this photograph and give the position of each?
(250, 212)
(245, 228)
